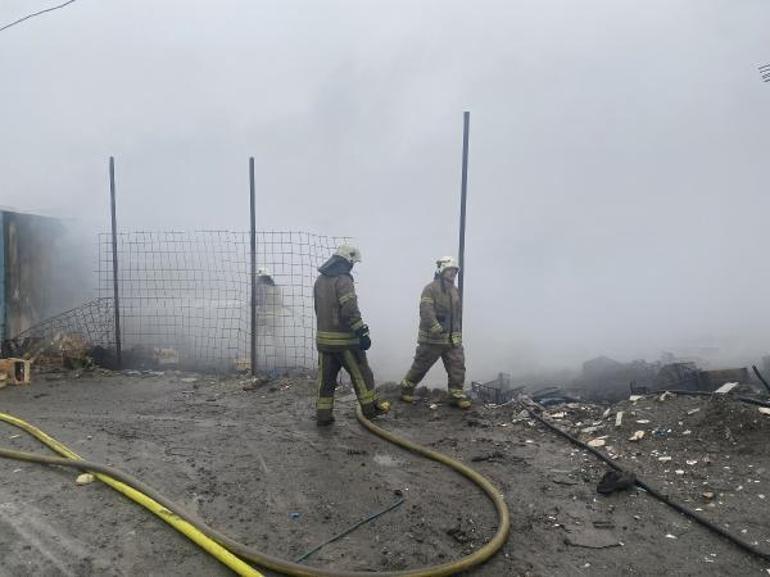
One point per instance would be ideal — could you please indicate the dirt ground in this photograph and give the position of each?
(253, 463)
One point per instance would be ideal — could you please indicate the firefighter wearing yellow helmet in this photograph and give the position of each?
(342, 338)
(440, 335)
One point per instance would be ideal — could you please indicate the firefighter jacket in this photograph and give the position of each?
(337, 314)
(441, 314)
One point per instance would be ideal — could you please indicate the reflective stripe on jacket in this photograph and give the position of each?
(337, 314)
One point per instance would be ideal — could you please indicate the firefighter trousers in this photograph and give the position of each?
(355, 363)
(426, 356)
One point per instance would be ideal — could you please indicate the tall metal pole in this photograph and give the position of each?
(463, 198)
(116, 296)
(253, 269)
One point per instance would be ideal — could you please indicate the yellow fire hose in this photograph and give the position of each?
(107, 476)
(230, 552)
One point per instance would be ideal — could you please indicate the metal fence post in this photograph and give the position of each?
(116, 296)
(253, 269)
(463, 198)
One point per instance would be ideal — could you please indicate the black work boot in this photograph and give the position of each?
(375, 408)
(324, 417)
(369, 410)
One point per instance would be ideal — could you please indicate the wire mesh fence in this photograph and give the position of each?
(185, 299)
(88, 326)
(189, 293)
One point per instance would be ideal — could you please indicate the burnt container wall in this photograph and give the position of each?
(29, 291)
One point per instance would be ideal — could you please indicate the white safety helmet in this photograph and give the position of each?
(264, 271)
(446, 262)
(349, 252)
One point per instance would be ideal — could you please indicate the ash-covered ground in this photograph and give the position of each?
(250, 460)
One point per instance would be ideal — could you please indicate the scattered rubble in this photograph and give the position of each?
(713, 460)
(726, 388)
(592, 539)
(613, 481)
(167, 357)
(493, 457)
(85, 479)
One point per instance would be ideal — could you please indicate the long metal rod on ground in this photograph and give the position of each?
(189, 524)
(350, 529)
(760, 377)
(748, 547)
(253, 248)
(116, 296)
(463, 200)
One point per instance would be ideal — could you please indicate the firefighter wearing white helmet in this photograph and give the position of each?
(342, 338)
(446, 262)
(264, 276)
(271, 313)
(440, 335)
(349, 252)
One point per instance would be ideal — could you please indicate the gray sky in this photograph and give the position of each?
(619, 153)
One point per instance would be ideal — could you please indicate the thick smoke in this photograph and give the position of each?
(617, 173)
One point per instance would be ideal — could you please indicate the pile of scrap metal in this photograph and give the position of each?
(688, 377)
(553, 396)
(62, 350)
(73, 351)
(605, 379)
(495, 392)
(68, 350)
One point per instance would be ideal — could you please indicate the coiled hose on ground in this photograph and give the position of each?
(233, 553)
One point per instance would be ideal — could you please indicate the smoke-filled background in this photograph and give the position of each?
(618, 169)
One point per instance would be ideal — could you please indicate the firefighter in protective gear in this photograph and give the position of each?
(349, 253)
(440, 335)
(272, 319)
(342, 337)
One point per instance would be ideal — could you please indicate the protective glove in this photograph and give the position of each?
(456, 340)
(364, 341)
